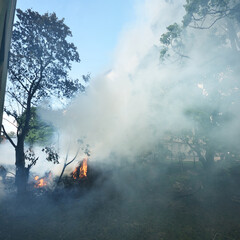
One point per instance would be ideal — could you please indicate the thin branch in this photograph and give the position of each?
(181, 55)
(15, 97)
(42, 68)
(73, 158)
(33, 163)
(178, 53)
(8, 137)
(10, 122)
(198, 27)
(66, 164)
(19, 80)
(11, 114)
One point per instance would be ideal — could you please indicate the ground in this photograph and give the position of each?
(157, 201)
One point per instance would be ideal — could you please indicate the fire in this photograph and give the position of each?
(81, 171)
(75, 173)
(42, 182)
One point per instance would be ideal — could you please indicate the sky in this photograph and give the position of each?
(96, 28)
(95, 25)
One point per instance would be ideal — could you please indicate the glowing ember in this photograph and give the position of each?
(75, 173)
(81, 171)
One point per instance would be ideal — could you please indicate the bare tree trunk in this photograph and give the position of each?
(22, 173)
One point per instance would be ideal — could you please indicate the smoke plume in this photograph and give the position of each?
(129, 109)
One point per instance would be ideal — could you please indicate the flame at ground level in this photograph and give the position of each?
(42, 182)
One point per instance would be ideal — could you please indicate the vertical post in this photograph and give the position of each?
(7, 10)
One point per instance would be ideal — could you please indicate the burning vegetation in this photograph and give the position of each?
(43, 181)
(80, 172)
(164, 122)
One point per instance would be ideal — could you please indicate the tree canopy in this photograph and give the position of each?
(40, 132)
(212, 25)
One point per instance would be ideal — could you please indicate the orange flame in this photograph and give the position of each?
(81, 171)
(42, 182)
(83, 168)
(74, 173)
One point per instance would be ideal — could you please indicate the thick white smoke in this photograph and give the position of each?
(129, 109)
(121, 111)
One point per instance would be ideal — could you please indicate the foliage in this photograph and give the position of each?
(198, 10)
(52, 155)
(39, 132)
(172, 40)
(203, 14)
(40, 58)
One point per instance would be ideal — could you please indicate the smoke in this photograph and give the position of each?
(121, 110)
(125, 113)
(130, 109)
(2, 193)
(7, 156)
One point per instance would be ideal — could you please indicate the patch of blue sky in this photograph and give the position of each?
(95, 24)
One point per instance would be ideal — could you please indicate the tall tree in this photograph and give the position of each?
(40, 59)
(212, 25)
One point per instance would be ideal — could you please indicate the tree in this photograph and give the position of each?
(172, 42)
(204, 138)
(197, 11)
(205, 14)
(40, 59)
(219, 21)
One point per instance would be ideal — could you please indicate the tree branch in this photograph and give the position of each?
(10, 122)
(19, 80)
(11, 114)
(198, 27)
(73, 158)
(33, 163)
(15, 97)
(66, 164)
(7, 136)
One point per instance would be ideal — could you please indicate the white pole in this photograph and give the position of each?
(7, 11)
